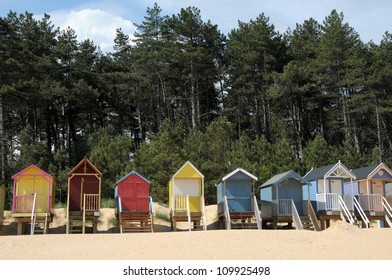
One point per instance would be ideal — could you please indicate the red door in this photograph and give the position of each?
(141, 193)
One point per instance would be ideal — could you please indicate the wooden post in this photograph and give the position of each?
(84, 214)
(20, 228)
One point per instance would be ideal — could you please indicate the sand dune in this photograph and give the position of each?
(340, 241)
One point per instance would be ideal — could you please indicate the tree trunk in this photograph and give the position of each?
(2, 143)
(379, 133)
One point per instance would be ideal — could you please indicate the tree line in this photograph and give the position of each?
(181, 90)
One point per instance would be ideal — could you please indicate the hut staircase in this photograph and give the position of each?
(242, 220)
(35, 225)
(77, 220)
(181, 212)
(388, 211)
(310, 222)
(364, 222)
(350, 216)
(135, 221)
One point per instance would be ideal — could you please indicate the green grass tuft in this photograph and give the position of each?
(107, 203)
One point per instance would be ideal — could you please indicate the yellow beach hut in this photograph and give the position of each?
(186, 198)
(2, 202)
(33, 199)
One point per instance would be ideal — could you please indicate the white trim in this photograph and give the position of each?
(238, 170)
(182, 167)
(335, 167)
(381, 165)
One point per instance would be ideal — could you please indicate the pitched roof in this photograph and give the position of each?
(277, 179)
(84, 160)
(364, 172)
(30, 167)
(130, 173)
(370, 171)
(319, 173)
(239, 170)
(192, 166)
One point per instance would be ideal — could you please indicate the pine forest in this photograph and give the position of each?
(178, 89)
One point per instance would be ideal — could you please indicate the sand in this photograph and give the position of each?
(339, 242)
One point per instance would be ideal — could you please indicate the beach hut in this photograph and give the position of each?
(370, 186)
(134, 208)
(282, 201)
(83, 199)
(329, 197)
(33, 199)
(236, 202)
(186, 198)
(2, 203)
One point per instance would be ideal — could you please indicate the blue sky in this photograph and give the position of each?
(98, 20)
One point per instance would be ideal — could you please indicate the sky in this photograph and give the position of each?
(98, 20)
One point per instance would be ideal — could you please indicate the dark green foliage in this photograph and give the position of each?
(182, 91)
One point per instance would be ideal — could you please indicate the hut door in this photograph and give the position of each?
(336, 186)
(377, 187)
(41, 189)
(128, 197)
(141, 195)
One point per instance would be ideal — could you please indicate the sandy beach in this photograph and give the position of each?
(341, 241)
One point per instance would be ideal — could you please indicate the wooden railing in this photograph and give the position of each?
(151, 205)
(203, 213)
(349, 201)
(344, 212)
(180, 202)
(91, 202)
(371, 202)
(227, 213)
(257, 212)
(388, 211)
(23, 203)
(361, 212)
(313, 217)
(296, 219)
(328, 201)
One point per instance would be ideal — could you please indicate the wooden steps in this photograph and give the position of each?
(135, 222)
(307, 223)
(243, 220)
(196, 219)
(75, 222)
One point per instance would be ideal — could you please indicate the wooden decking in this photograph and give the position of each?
(135, 221)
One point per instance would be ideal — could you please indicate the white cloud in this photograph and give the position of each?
(94, 24)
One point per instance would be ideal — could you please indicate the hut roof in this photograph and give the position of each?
(30, 168)
(239, 170)
(277, 179)
(86, 161)
(369, 171)
(130, 173)
(188, 167)
(328, 170)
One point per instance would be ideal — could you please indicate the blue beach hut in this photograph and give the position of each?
(237, 204)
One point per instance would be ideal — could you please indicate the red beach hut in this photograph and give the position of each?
(133, 204)
(84, 194)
